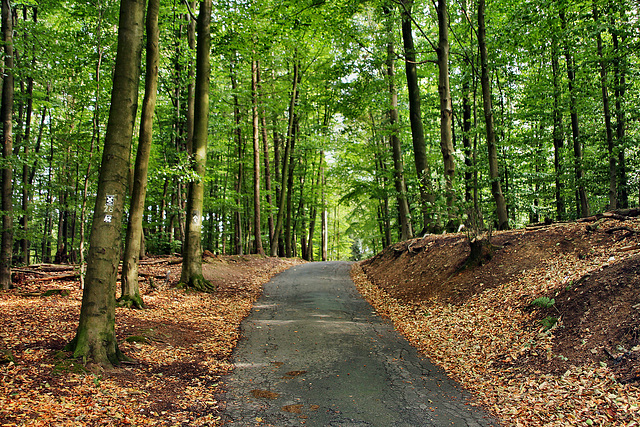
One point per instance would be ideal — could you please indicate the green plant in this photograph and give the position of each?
(543, 302)
(548, 322)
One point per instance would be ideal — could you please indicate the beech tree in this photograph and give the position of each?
(192, 251)
(95, 338)
(130, 295)
(6, 116)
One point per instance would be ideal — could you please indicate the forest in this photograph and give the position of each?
(330, 129)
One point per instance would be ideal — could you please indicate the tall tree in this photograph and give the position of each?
(6, 116)
(582, 205)
(95, 338)
(129, 284)
(446, 107)
(423, 169)
(406, 231)
(256, 160)
(494, 174)
(192, 251)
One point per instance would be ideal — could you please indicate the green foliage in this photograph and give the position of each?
(543, 302)
(548, 323)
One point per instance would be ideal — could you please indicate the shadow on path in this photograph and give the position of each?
(314, 353)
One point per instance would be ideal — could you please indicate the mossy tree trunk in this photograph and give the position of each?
(95, 338)
(192, 252)
(6, 113)
(130, 288)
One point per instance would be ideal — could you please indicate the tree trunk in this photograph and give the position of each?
(95, 141)
(446, 108)
(130, 295)
(265, 149)
(285, 163)
(95, 338)
(192, 252)
(404, 214)
(423, 169)
(324, 240)
(494, 174)
(256, 161)
(191, 38)
(619, 68)
(613, 172)
(288, 232)
(582, 205)
(6, 112)
(558, 134)
(237, 215)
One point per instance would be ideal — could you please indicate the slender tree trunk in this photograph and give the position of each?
(324, 241)
(238, 231)
(285, 165)
(619, 93)
(130, 287)
(406, 231)
(265, 149)
(95, 338)
(494, 174)
(558, 134)
(423, 169)
(613, 172)
(466, 143)
(256, 160)
(95, 141)
(191, 38)
(582, 205)
(288, 232)
(446, 108)
(192, 253)
(6, 112)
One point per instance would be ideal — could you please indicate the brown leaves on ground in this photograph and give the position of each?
(180, 346)
(479, 325)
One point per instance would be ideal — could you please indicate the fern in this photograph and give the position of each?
(543, 302)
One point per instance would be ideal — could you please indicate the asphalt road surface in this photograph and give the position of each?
(314, 353)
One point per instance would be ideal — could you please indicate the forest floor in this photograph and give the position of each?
(180, 346)
(575, 362)
(571, 359)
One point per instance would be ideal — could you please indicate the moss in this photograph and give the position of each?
(131, 301)
(61, 292)
(137, 338)
(199, 283)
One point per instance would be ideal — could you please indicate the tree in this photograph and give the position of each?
(192, 252)
(446, 107)
(256, 160)
(95, 338)
(494, 175)
(406, 231)
(130, 288)
(423, 169)
(6, 116)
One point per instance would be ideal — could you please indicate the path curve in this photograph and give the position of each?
(314, 353)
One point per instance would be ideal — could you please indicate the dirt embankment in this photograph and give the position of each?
(551, 304)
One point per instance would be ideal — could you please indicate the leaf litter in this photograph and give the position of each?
(480, 326)
(180, 345)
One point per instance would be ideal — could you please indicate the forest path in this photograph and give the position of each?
(314, 353)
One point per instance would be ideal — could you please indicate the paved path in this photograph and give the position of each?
(314, 353)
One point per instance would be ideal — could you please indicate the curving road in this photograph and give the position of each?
(314, 353)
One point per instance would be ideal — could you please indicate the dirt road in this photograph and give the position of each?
(315, 354)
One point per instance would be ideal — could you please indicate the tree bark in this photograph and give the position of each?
(237, 215)
(6, 112)
(95, 338)
(192, 252)
(406, 232)
(130, 287)
(494, 175)
(423, 169)
(582, 205)
(265, 149)
(285, 163)
(256, 160)
(446, 108)
(619, 67)
(613, 172)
